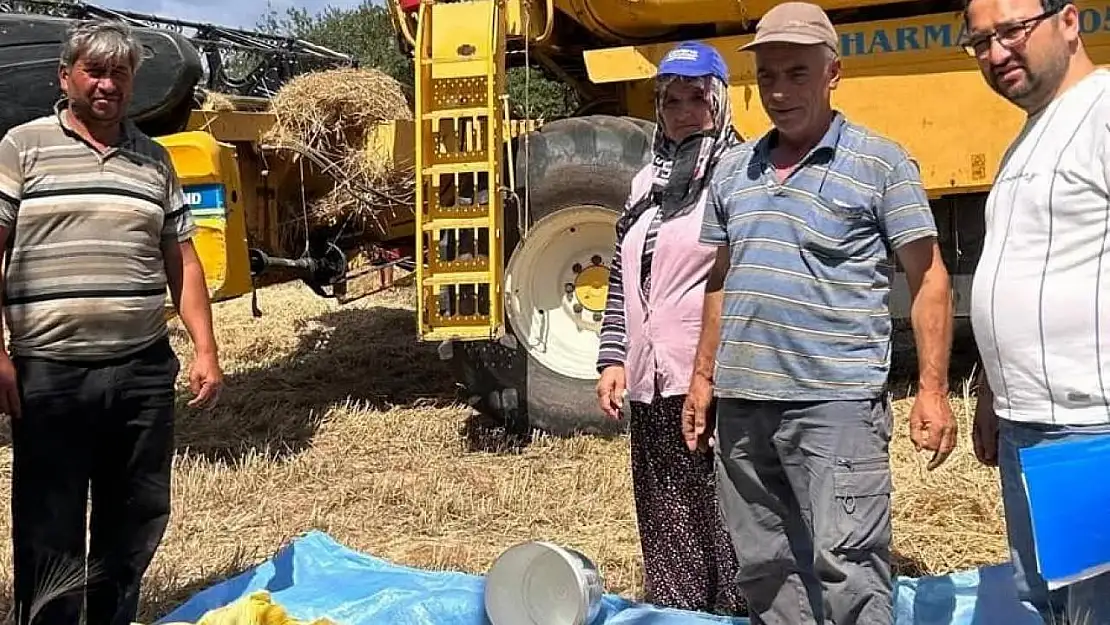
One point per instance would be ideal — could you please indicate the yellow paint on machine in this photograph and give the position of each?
(906, 78)
(209, 177)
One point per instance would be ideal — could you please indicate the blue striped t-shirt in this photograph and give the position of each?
(806, 300)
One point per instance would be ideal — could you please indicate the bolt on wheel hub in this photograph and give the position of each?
(591, 287)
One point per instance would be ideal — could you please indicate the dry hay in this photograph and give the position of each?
(216, 101)
(327, 109)
(336, 419)
(327, 116)
(951, 518)
(364, 180)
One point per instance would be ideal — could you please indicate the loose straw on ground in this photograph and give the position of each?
(337, 418)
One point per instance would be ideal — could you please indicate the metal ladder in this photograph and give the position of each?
(460, 79)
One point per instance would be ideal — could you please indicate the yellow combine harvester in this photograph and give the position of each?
(512, 233)
(548, 226)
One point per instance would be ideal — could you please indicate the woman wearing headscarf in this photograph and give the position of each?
(650, 332)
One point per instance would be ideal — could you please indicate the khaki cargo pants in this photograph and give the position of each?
(805, 494)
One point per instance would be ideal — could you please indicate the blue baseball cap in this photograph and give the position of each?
(693, 58)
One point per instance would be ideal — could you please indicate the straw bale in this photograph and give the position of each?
(390, 187)
(328, 117)
(333, 110)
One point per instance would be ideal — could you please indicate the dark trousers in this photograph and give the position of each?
(108, 425)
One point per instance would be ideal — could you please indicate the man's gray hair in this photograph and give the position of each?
(108, 42)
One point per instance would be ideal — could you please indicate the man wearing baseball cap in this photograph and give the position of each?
(795, 340)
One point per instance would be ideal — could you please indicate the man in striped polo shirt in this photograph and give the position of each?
(796, 338)
(94, 228)
(1039, 304)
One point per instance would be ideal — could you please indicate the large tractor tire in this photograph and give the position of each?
(572, 185)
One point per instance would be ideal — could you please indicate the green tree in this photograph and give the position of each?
(538, 97)
(366, 33)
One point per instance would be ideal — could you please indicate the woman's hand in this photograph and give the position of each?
(610, 391)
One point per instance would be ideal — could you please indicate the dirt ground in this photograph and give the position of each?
(337, 419)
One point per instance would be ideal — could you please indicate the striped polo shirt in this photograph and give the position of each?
(84, 278)
(806, 300)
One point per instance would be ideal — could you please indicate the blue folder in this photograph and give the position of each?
(1068, 485)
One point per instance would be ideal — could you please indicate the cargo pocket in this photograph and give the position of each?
(862, 489)
(880, 418)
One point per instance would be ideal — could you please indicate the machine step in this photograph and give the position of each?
(460, 137)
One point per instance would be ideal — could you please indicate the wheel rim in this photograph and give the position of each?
(556, 286)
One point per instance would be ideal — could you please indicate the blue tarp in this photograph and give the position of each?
(315, 576)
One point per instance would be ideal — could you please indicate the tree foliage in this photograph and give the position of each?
(535, 96)
(366, 33)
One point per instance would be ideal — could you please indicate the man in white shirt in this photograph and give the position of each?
(1040, 305)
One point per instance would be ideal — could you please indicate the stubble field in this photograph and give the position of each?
(336, 418)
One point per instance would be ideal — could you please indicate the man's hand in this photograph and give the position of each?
(697, 420)
(9, 391)
(190, 296)
(931, 424)
(610, 391)
(933, 427)
(206, 381)
(984, 431)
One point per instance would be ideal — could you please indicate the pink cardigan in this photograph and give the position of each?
(662, 331)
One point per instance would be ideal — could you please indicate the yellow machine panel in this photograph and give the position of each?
(623, 21)
(904, 78)
(210, 179)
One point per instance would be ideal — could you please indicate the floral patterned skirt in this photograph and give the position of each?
(689, 562)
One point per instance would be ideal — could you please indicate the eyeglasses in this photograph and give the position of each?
(1008, 35)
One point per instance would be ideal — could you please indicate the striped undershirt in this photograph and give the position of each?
(612, 347)
(84, 274)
